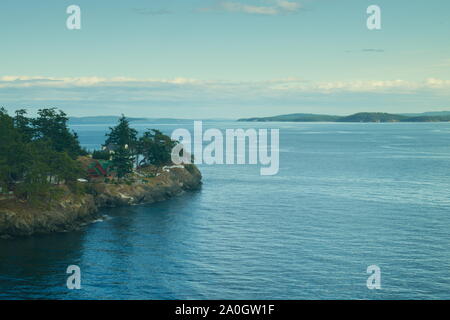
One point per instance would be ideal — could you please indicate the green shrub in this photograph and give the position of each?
(101, 155)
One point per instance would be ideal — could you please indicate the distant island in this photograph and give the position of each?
(443, 116)
(114, 119)
(99, 120)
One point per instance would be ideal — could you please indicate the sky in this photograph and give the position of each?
(225, 59)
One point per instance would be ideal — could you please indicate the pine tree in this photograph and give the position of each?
(24, 125)
(122, 135)
(31, 164)
(122, 139)
(156, 148)
(51, 125)
(122, 161)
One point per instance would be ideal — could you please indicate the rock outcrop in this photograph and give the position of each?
(73, 211)
(168, 184)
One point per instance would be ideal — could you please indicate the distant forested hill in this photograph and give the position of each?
(99, 120)
(373, 117)
(297, 117)
(443, 116)
(428, 119)
(429, 114)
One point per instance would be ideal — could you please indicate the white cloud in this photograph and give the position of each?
(438, 83)
(288, 5)
(274, 85)
(101, 95)
(66, 82)
(369, 86)
(276, 7)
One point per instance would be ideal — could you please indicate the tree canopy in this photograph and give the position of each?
(122, 134)
(37, 153)
(156, 148)
(152, 148)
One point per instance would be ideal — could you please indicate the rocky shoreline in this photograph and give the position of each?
(74, 211)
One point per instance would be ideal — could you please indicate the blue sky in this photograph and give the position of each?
(204, 59)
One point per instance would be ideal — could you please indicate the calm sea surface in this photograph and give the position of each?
(347, 196)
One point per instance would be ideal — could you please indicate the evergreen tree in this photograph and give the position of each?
(101, 155)
(24, 125)
(122, 161)
(51, 125)
(30, 167)
(122, 140)
(156, 148)
(12, 152)
(122, 135)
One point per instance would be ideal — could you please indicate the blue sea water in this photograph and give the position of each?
(347, 196)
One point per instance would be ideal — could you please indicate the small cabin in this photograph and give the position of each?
(99, 168)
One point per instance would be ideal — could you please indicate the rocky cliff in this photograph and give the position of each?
(72, 211)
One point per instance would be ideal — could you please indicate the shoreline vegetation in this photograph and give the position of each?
(443, 116)
(48, 183)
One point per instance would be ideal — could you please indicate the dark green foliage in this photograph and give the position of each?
(122, 140)
(155, 148)
(45, 169)
(122, 135)
(101, 155)
(51, 125)
(12, 151)
(83, 151)
(152, 148)
(24, 125)
(122, 161)
(37, 154)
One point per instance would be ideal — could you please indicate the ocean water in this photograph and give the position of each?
(347, 196)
